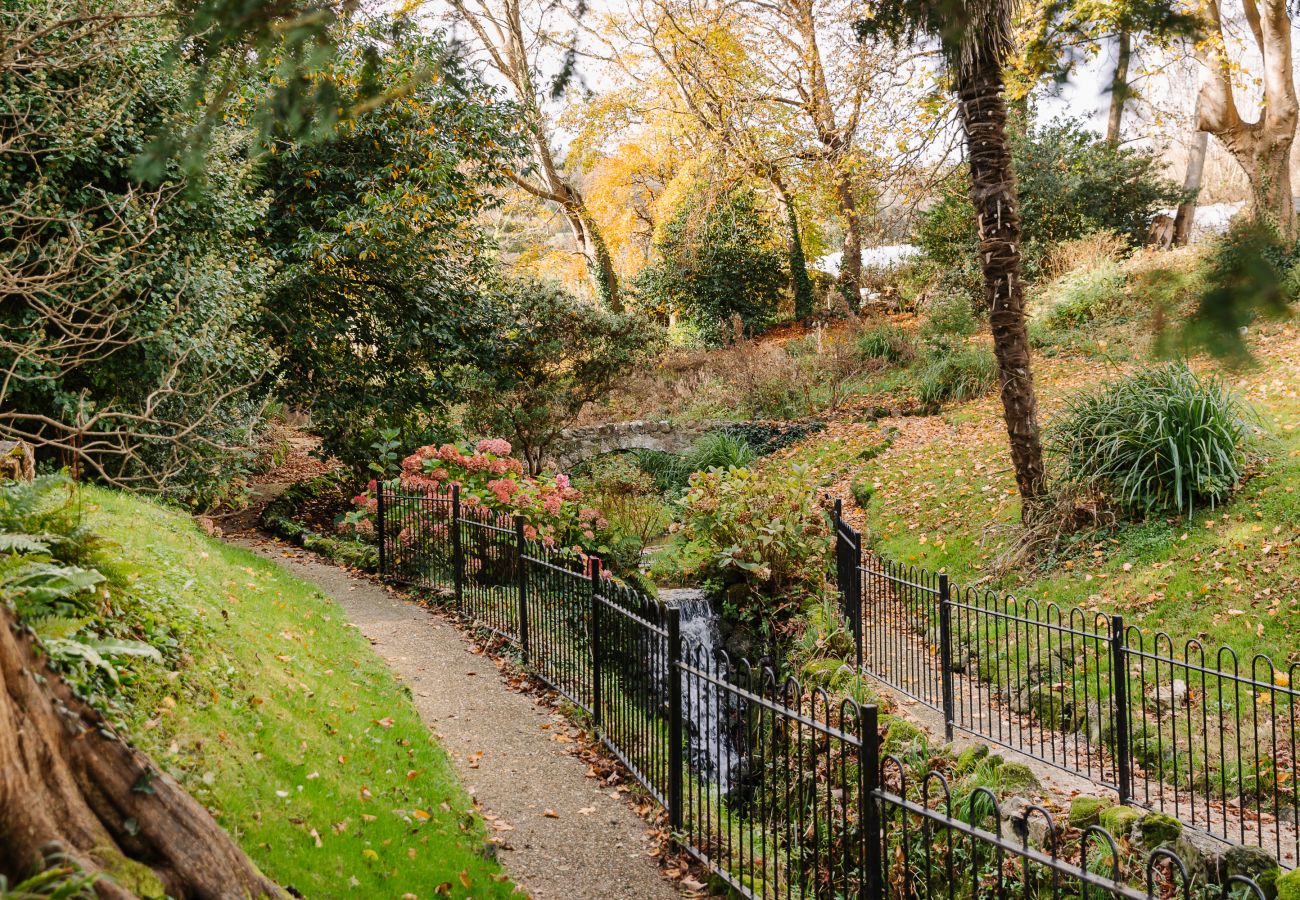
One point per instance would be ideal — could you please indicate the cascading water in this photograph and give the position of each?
(708, 710)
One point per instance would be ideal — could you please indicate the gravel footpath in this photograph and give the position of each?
(561, 834)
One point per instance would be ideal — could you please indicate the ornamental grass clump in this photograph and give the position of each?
(1160, 440)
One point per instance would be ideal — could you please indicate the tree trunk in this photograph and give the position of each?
(68, 783)
(993, 194)
(600, 265)
(1119, 87)
(800, 283)
(1186, 215)
(1262, 148)
(851, 263)
(595, 252)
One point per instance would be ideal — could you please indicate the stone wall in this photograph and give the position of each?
(577, 444)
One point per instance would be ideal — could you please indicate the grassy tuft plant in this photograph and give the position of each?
(961, 374)
(721, 449)
(1160, 440)
(887, 342)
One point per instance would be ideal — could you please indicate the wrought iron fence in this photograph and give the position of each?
(778, 790)
(1170, 726)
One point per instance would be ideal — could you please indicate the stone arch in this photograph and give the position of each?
(576, 444)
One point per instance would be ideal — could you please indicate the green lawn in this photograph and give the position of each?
(942, 496)
(287, 726)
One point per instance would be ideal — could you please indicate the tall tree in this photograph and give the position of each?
(717, 84)
(976, 39)
(383, 295)
(1262, 148)
(1186, 215)
(1060, 32)
(791, 43)
(513, 47)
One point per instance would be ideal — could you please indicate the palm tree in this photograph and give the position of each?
(976, 37)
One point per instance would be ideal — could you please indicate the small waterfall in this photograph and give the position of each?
(708, 710)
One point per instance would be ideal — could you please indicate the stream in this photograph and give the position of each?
(710, 746)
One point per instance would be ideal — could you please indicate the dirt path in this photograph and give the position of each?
(562, 835)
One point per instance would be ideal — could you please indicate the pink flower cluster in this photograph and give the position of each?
(489, 478)
(494, 446)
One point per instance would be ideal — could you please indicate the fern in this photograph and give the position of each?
(57, 627)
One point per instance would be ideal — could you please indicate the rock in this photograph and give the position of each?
(1015, 777)
(902, 737)
(1098, 721)
(970, 758)
(1255, 863)
(1085, 811)
(1158, 830)
(1172, 696)
(830, 674)
(1288, 885)
(1199, 863)
(1118, 820)
(1020, 823)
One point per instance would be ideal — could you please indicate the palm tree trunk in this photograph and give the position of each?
(993, 194)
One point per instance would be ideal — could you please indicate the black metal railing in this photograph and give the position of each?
(1170, 726)
(780, 791)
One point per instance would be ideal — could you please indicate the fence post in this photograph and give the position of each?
(379, 525)
(869, 808)
(675, 715)
(521, 571)
(853, 563)
(596, 644)
(1119, 690)
(457, 554)
(945, 654)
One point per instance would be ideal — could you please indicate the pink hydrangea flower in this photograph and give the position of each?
(552, 504)
(495, 446)
(562, 481)
(530, 532)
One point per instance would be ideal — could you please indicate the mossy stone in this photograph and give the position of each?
(826, 673)
(969, 758)
(902, 737)
(1086, 811)
(1017, 777)
(1118, 820)
(1255, 863)
(1288, 885)
(1158, 829)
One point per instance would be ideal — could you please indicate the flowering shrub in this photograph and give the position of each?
(490, 478)
(759, 535)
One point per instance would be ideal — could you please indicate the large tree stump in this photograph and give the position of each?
(67, 780)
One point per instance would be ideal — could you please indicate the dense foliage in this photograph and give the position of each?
(384, 296)
(1161, 440)
(125, 326)
(550, 355)
(718, 258)
(98, 629)
(759, 537)
(1070, 183)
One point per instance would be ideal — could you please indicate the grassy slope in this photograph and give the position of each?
(1226, 575)
(289, 727)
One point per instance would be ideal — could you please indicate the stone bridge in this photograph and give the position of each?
(577, 444)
